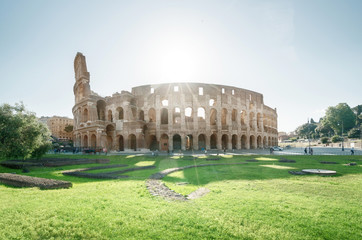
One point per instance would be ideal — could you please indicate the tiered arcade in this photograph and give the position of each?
(171, 116)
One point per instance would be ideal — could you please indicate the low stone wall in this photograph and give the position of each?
(17, 180)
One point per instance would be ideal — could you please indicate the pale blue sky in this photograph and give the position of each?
(303, 56)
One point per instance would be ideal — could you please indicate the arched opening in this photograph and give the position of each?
(234, 141)
(141, 116)
(152, 115)
(251, 120)
(258, 120)
(269, 141)
(110, 133)
(224, 141)
(224, 114)
(243, 142)
(258, 142)
(212, 102)
(176, 142)
(177, 115)
(264, 142)
(152, 142)
(120, 113)
(109, 142)
(202, 141)
(85, 115)
(101, 108)
(213, 141)
(189, 115)
(93, 141)
(242, 117)
(110, 116)
(189, 142)
(164, 116)
(132, 143)
(120, 143)
(233, 115)
(85, 141)
(252, 142)
(164, 142)
(201, 114)
(213, 117)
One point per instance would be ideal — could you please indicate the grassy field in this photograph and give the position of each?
(257, 200)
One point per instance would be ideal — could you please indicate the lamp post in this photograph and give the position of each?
(342, 138)
(309, 134)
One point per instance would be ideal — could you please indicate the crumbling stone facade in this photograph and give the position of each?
(171, 116)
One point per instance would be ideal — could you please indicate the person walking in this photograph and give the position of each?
(305, 151)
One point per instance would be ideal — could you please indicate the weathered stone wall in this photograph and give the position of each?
(172, 116)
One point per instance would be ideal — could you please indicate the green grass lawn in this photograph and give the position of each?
(257, 200)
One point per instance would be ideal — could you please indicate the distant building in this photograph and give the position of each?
(57, 125)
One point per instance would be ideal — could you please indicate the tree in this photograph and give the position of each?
(336, 138)
(68, 128)
(358, 112)
(324, 129)
(340, 116)
(354, 133)
(324, 140)
(307, 130)
(21, 134)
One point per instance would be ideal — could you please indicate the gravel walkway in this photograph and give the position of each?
(157, 188)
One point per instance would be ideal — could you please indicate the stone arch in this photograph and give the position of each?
(120, 113)
(234, 141)
(243, 117)
(164, 116)
(258, 119)
(189, 142)
(110, 116)
(213, 116)
(251, 120)
(152, 115)
(85, 115)
(110, 132)
(252, 142)
(132, 142)
(213, 141)
(120, 143)
(164, 142)
(101, 108)
(224, 113)
(244, 142)
(152, 142)
(93, 141)
(233, 115)
(265, 144)
(176, 139)
(202, 141)
(176, 116)
(189, 116)
(141, 115)
(201, 114)
(224, 141)
(258, 142)
(85, 141)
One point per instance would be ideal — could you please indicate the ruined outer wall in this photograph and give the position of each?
(171, 116)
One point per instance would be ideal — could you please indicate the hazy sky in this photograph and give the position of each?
(303, 56)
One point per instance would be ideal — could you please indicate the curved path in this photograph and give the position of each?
(157, 188)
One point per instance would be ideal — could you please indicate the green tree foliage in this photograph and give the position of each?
(336, 138)
(307, 130)
(324, 140)
(354, 133)
(68, 128)
(324, 129)
(340, 115)
(358, 113)
(21, 134)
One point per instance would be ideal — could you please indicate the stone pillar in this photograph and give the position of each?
(183, 142)
(219, 140)
(230, 139)
(238, 142)
(195, 139)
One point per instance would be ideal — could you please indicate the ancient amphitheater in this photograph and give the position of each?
(172, 116)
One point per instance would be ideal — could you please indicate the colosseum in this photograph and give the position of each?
(171, 116)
